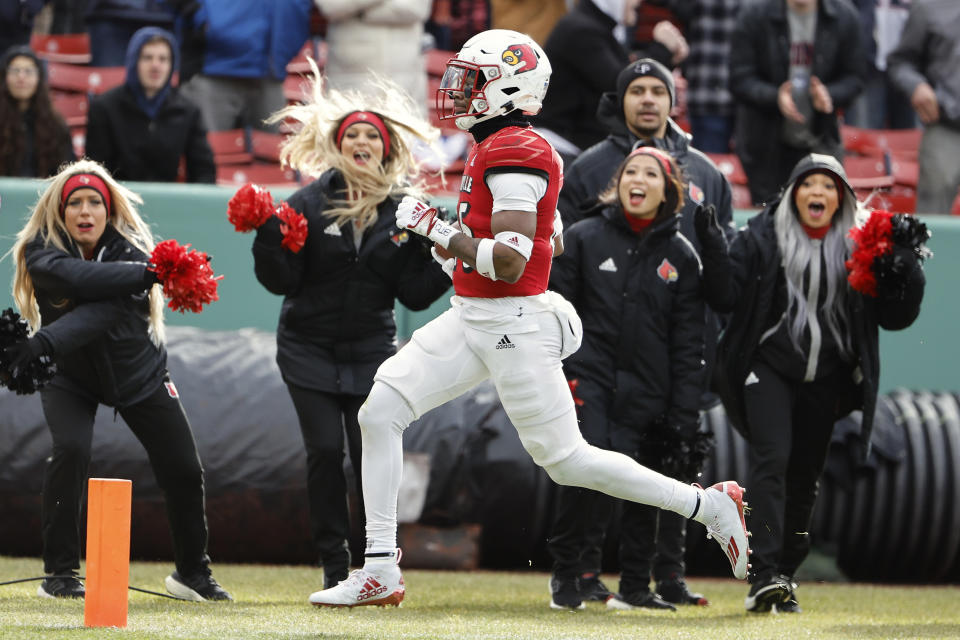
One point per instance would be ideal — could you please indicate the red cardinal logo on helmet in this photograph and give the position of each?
(520, 54)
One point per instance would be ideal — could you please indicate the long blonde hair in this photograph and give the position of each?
(46, 221)
(313, 149)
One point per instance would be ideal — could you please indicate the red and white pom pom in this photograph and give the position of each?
(872, 240)
(249, 207)
(186, 276)
(293, 226)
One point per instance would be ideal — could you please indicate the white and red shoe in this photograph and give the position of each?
(722, 515)
(378, 584)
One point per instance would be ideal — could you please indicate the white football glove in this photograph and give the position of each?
(447, 265)
(421, 218)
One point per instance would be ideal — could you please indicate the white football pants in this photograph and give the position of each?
(521, 355)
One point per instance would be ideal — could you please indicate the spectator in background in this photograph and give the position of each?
(111, 24)
(337, 322)
(34, 139)
(793, 64)
(68, 16)
(926, 67)
(384, 37)
(84, 285)
(588, 48)
(881, 105)
(787, 372)
(16, 21)
(141, 129)
(453, 22)
(639, 369)
(235, 55)
(637, 115)
(708, 25)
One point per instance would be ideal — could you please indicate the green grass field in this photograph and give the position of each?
(271, 602)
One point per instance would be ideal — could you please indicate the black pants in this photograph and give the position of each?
(790, 428)
(161, 426)
(324, 419)
(581, 517)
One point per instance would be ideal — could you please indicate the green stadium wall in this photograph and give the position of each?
(925, 356)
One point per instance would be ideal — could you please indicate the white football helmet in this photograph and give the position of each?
(494, 73)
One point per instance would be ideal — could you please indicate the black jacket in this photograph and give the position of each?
(96, 314)
(134, 147)
(337, 323)
(643, 320)
(756, 261)
(585, 57)
(591, 173)
(760, 63)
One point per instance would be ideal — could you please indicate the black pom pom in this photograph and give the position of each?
(30, 377)
(910, 232)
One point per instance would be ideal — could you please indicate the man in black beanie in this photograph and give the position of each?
(636, 114)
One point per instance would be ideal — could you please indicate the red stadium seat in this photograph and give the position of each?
(72, 106)
(296, 88)
(259, 172)
(266, 145)
(82, 79)
(229, 147)
(899, 143)
(71, 48)
(729, 166)
(299, 64)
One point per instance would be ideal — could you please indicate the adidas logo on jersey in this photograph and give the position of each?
(505, 343)
(371, 589)
(608, 265)
(332, 229)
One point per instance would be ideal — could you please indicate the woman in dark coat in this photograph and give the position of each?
(82, 282)
(337, 320)
(34, 139)
(634, 279)
(801, 350)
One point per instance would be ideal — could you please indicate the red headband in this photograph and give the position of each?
(666, 162)
(84, 181)
(368, 117)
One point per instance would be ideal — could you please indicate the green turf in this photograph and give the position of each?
(271, 602)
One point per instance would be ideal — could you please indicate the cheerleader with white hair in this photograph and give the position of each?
(801, 350)
(337, 319)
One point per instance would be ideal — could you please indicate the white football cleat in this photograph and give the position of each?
(723, 517)
(374, 585)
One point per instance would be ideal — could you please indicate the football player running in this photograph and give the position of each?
(503, 324)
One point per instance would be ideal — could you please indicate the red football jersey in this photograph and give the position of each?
(510, 150)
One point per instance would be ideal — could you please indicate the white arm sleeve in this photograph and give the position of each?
(516, 191)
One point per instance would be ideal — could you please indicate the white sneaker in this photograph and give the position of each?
(374, 585)
(722, 515)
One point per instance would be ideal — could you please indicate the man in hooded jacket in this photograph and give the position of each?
(141, 129)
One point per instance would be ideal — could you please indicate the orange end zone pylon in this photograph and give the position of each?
(108, 552)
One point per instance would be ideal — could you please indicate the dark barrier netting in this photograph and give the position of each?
(896, 518)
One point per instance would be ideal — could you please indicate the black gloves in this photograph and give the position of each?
(707, 226)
